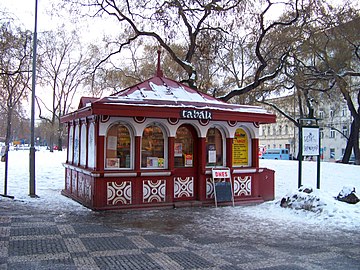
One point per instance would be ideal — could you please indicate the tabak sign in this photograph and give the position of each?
(196, 114)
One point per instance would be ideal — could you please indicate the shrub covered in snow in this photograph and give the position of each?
(304, 198)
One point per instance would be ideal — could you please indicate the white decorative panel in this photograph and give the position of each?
(209, 188)
(74, 182)
(87, 190)
(154, 191)
(81, 185)
(242, 186)
(68, 180)
(119, 193)
(183, 188)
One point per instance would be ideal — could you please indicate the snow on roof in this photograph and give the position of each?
(164, 92)
(160, 91)
(160, 88)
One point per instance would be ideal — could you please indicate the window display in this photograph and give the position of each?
(214, 148)
(152, 148)
(240, 148)
(183, 148)
(118, 144)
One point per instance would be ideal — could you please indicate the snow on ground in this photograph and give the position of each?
(50, 181)
(49, 177)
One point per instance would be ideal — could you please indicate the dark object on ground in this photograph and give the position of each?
(303, 199)
(348, 195)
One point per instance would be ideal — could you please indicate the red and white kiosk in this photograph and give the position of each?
(155, 144)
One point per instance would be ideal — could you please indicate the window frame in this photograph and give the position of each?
(332, 133)
(223, 138)
(71, 144)
(249, 147)
(83, 144)
(91, 153)
(165, 150)
(183, 155)
(76, 149)
(131, 150)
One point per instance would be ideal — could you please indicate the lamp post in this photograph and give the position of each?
(32, 125)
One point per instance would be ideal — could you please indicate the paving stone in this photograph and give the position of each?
(189, 260)
(127, 262)
(21, 231)
(34, 239)
(39, 246)
(160, 240)
(108, 243)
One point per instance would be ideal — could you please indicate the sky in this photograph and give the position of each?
(331, 214)
(23, 11)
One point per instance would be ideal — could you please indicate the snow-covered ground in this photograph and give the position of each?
(50, 181)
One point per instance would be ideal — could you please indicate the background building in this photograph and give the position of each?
(335, 121)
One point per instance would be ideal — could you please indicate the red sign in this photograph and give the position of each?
(221, 173)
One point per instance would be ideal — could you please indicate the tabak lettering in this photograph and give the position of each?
(196, 114)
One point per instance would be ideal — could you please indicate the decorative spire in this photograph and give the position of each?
(159, 72)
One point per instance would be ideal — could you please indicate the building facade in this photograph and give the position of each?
(334, 123)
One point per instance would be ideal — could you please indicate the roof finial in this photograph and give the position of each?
(159, 72)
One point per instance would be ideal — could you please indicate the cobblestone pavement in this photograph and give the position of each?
(186, 238)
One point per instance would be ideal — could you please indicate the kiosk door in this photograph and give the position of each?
(185, 159)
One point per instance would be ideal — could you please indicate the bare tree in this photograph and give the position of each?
(335, 66)
(15, 50)
(62, 69)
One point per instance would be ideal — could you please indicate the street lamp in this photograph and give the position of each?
(32, 125)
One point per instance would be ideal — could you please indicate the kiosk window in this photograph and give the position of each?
(76, 145)
(240, 148)
(70, 144)
(118, 145)
(214, 148)
(152, 148)
(183, 148)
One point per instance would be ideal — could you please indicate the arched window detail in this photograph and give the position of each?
(91, 146)
(83, 145)
(184, 148)
(241, 148)
(153, 148)
(70, 145)
(214, 148)
(76, 145)
(118, 147)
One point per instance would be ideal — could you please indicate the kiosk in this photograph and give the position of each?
(154, 144)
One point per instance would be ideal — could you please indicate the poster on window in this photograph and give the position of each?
(112, 163)
(178, 149)
(112, 143)
(211, 153)
(310, 139)
(240, 147)
(152, 162)
(188, 160)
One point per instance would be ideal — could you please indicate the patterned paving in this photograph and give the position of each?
(40, 240)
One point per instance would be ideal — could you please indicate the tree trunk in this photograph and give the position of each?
(60, 141)
(7, 144)
(356, 142)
